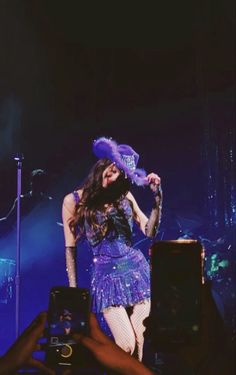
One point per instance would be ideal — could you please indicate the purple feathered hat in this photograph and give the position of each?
(124, 157)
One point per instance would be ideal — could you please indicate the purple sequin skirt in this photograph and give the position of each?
(120, 281)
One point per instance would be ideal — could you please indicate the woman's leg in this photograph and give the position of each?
(140, 312)
(121, 328)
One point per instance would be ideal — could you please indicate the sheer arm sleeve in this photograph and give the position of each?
(70, 241)
(71, 269)
(153, 223)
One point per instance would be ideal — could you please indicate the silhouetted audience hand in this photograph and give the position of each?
(211, 356)
(20, 353)
(108, 354)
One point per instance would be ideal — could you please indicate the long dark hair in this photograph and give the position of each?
(95, 197)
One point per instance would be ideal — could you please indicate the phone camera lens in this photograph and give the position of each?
(66, 351)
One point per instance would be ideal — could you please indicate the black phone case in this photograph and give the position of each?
(68, 313)
(176, 285)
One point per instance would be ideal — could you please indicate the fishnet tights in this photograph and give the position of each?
(128, 331)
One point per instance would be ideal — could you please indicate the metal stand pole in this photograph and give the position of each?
(19, 158)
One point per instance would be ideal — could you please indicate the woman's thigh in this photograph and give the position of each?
(121, 327)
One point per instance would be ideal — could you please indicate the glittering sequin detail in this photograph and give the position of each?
(129, 160)
(120, 281)
(76, 196)
(121, 274)
(120, 223)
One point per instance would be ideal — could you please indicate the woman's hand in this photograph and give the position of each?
(154, 182)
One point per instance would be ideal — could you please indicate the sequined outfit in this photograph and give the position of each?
(121, 274)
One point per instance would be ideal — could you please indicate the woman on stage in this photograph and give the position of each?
(103, 210)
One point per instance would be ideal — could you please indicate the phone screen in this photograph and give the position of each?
(68, 313)
(176, 282)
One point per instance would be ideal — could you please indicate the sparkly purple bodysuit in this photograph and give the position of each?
(121, 274)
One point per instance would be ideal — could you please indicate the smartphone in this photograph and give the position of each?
(176, 291)
(68, 313)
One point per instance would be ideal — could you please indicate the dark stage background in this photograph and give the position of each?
(162, 80)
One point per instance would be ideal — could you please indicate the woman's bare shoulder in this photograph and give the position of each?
(69, 199)
(130, 196)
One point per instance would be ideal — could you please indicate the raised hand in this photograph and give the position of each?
(20, 353)
(108, 353)
(154, 182)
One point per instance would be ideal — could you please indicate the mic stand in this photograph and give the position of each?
(19, 158)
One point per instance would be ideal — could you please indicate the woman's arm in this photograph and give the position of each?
(140, 218)
(68, 209)
(149, 226)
